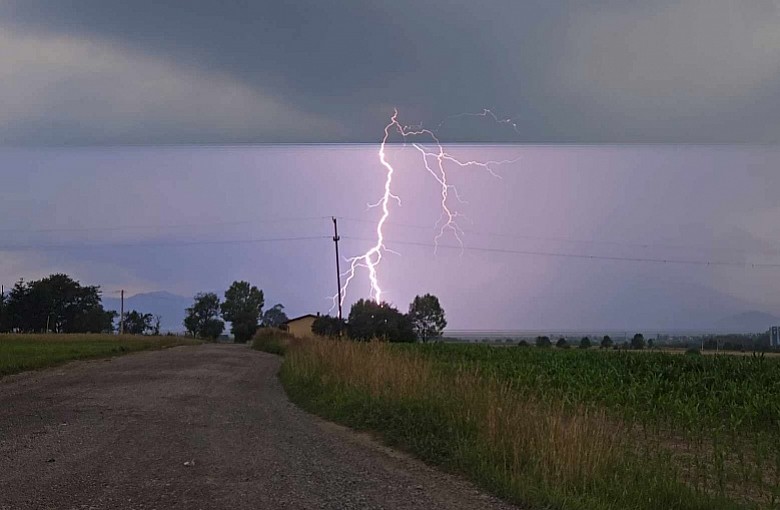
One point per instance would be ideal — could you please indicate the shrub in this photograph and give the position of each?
(522, 343)
(562, 344)
(693, 351)
(271, 340)
(585, 343)
(543, 341)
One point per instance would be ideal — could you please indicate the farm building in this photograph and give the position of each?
(301, 326)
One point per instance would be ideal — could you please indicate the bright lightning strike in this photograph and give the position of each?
(434, 159)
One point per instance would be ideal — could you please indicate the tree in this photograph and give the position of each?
(562, 344)
(137, 323)
(585, 343)
(650, 343)
(56, 303)
(369, 320)
(606, 342)
(638, 342)
(543, 341)
(274, 316)
(4, 325)
(328, 326)
(242, 308)
(427, 317)
(202, 318)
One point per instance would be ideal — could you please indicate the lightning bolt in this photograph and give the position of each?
(434, 159)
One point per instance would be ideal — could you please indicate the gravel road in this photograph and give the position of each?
(204, 427)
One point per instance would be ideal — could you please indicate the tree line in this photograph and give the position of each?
(370, 320)
(242, 307)
(60, 304)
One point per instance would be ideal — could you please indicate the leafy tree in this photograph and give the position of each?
(543, 341)
(328, 326)
(274, 316)
(242, 308)
(522, 343)
(606, 342)
(638, 342)
(650, 343)
(202, 318)
(56, 303)
(4, 323)
(370, 320)
(585, 343)
(137, 323)
(562, 344)
(427, 317)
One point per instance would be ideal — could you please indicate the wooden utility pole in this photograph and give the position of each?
(122, 312)
(338, 261)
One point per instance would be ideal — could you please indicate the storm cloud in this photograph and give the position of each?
(114, 72)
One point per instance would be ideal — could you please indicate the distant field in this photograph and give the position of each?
(28, 352)
(568, 429)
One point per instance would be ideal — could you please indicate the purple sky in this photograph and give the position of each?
(703, 203)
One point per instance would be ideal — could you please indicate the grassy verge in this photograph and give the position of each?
(530, 447)
(272, 340)
(29, 352)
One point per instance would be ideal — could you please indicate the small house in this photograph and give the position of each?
(301, 326)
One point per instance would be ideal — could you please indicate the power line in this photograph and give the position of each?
(577, 255)
(155, 244)
(551, 238)
(162, 227)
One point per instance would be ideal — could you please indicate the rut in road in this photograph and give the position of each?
(195, 427)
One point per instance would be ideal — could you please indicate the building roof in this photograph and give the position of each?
(302, 317)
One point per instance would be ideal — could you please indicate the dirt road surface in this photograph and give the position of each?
(204, 427)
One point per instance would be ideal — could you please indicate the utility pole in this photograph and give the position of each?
(122, 313)
(338, 262)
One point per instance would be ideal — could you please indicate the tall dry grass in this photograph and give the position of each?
(524, 449)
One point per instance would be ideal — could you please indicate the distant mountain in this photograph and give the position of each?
(748, 322)
(170, 307)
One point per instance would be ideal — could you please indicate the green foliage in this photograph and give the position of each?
(606, 342)
(585, 343)
(427, 317)
(202, 320)
(274, 317)
(523, 343)
(137, 323)
(271, 340)
(242, 308)
(369, 320)
(638, 342)
(562, 343)
(56, 303)
(693, 351)
(543, 341)
(327, 326)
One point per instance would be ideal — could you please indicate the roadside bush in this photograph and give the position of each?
(271, 340)
(522, 343)
(693, 351)
(585, 343)
(562, 344)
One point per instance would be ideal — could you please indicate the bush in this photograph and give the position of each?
(543, 341)
(693, 351)
(271, 340)
(522, 343)
(585, 343)
(562, 344)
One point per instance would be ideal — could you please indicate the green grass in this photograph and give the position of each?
(19, 353)
(561, 429)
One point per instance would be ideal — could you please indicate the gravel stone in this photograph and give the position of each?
(197, 427)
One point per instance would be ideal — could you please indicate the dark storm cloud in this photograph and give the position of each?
(694, 71)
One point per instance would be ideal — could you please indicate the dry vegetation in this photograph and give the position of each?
(532, 447)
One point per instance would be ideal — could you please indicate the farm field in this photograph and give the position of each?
(29, 352)
(567, 429)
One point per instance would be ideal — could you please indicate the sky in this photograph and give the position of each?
(180, 146)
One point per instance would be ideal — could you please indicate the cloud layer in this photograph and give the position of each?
(112, 72)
